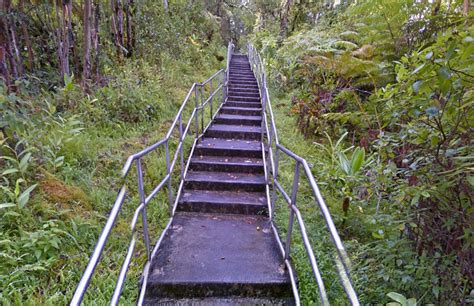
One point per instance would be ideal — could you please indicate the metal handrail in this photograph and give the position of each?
(197, 91)
(270, 144)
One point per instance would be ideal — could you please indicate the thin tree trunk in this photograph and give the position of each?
(26, 37)
(128, 22)
(117, 27)
(466, 7)
(86, 66)
(9, 48)
(4, 6)
(15, 49)
(166, 6)
(285, 11)
(96, 40)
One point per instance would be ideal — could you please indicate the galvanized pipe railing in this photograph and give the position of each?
(205, 95)
(271, 161)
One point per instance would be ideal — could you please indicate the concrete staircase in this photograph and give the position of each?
(220, 249)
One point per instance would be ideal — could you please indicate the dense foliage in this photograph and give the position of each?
(377, 95)
(393, 79)
(62, 145)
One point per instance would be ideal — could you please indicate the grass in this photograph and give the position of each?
(47, 245)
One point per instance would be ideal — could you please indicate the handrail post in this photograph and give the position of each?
(292, 213)
(196, 106)
(168, 172)
(202, 110)
(181, 144)
(141, 191)
(212, 98)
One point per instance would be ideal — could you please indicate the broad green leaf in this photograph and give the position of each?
(417, 85)
(411, 302)
(397, 297)
(10, 171)
(6, 205)
(470, 179)
(25, 196)
(24, 162)
(344, 163)
(418, 68)
(357, 160)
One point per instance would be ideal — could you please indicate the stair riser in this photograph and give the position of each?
(229, 121)
(196, 290)
(239, 168)
(238, 93)
(243, 83)
(242, 76)
(252, 95)
(234, 135)
(243, 99)
(230, 153)
(234, 68)
(224, 186)
(238, 72)
(250, 90)
(242, 112)
(223, 208)
(245, 80)
(243, 104)
(246, 87)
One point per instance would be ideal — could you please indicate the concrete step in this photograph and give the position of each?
(225, 163)
(229, 147)
(223, 202)
(241, 72)
(220, 301)
(225, 181)
(242, 78)
(238, 120)
(245, 111)
(240, 67)
(247, 132)
(245, 89)
(243, 93)
(243, 82)
(209, 255)
(233, 98)
(243, 104)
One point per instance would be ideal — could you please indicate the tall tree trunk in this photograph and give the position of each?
(129, 12)
(63, 37)
(166, 6)
(117, 26)
(96, 40)
(285, 11)
(26, 37)
(86, 65)
(466, 7)
(4, 6)
(15, 48)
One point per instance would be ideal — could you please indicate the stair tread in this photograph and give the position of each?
(228, 197)
(225, 177)
(230, 249)
(235, 128)
(241, 108)
(239, 117)
(230, 144)
(231, 160)
(219, 301)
